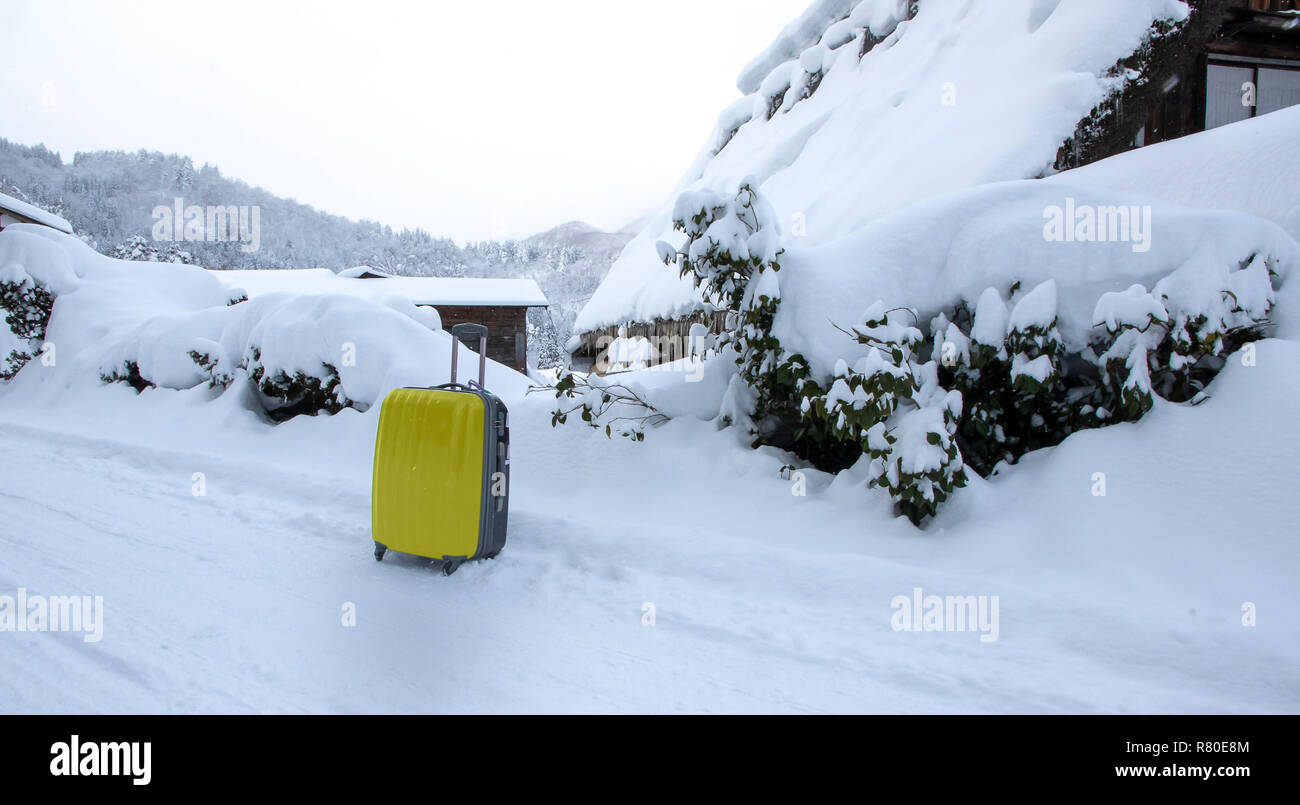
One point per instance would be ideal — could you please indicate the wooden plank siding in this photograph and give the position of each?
(507, 330)
(669, 336)
(10, 217)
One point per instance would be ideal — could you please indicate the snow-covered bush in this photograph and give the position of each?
(991, 385)
(917, 460)
(128, 373)
(1136, 322)
(871, 391)
(1023, 389)
(733, 255)
(1033, 344)
(212, 361)
(729, 238)
(26, 305)
(287, 395)
(975, 365)
(891, 407)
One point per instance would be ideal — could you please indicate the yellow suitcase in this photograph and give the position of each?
(441, 483)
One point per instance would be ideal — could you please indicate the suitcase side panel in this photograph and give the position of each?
(427, 492)
(496, 479)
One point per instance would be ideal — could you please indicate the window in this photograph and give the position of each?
(1226, 99)
(1278, 89)
(1241, 88)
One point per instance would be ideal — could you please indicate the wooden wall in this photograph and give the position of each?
(671, 332)
(507, 331)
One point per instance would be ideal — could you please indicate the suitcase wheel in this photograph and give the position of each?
(450, 566)
(380, 550)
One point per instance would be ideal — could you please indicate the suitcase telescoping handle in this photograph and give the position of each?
(463, 333)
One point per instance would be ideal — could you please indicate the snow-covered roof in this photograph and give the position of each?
(883, 110)
(33, 213)
(452, 291)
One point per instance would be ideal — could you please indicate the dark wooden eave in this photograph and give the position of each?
(1258, 34)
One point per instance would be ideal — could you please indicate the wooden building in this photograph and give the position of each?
(13, 211)
(1250, 67)
(669, 338)
(501, 305)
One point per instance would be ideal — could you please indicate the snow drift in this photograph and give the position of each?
(936, 254)
(178, 327)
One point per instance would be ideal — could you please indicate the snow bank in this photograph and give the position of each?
(968, 92)
(110, 313)
(1129, 603)
(1243, 166)
(953, 249)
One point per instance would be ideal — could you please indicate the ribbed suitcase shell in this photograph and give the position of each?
(439, 456)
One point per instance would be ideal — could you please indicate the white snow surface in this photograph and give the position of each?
(763, 601)
(954, 248)
(928, 111)
(1238, 167)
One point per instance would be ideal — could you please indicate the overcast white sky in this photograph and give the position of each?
(469, 119)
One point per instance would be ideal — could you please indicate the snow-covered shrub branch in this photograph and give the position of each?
(730, 237)
(128, 373)
(287, 395)
(610, 406)
(733, 255)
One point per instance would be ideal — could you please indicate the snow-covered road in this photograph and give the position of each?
(234, 601)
